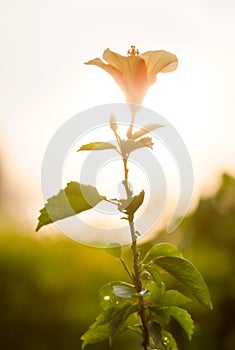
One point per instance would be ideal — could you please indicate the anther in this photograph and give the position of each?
(133, 51)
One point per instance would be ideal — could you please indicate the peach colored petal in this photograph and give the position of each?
(116, 74)
(159, 61)
(134, 72)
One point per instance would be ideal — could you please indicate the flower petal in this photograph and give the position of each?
(134, 73)
(159, 61)
(116, 74)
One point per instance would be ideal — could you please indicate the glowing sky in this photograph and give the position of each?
(43, 81)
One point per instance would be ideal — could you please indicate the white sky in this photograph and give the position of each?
(43, 81)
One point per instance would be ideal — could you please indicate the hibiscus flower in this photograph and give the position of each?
(136, 72)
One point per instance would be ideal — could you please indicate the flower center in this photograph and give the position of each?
(133, 51)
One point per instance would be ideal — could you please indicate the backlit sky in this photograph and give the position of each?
(43, 81)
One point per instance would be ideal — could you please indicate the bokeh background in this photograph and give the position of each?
(48, 284)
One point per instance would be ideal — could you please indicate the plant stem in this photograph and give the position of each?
(136, 267)
(127, 269)
(137, 271)
(129, 131)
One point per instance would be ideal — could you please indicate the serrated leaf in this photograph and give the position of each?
(114, 249)
(97, 146)
(130, 206)
(119, 317)
(159, 315)
(183, 318)
(172, 298)
(154, 330)
(168, 341)
(123, 291)
(145, 130)
(74, 199)
(106, 295)
(99, 330)
(187, 273)
(95, 335)
(161, 249)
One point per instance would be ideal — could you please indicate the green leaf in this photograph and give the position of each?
(135, 328)
(172, 297)
(154, 291)
(114, 249)
(183, 317)
(96, 146)
(119, 317)
(159, 315)
(108, 298)
(123, 291)
(145, 130)
(161, 249)
(156, 276)
(168, 341)
(99, 330)
(95, 335)
(187, 273)
(74, 199)
(154, 330)
(130, 206)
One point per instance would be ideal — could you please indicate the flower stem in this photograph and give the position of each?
(129, 131)
(136, 267)
(136, 276)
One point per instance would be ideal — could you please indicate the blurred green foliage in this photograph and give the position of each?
(48, 287)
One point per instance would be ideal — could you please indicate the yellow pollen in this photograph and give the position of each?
(133, 51)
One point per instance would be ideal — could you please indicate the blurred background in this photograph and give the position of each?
(48, 284)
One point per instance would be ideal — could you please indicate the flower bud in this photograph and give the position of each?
(113, 123)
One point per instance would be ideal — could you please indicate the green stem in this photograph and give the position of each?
(136, 266)
(127, 269)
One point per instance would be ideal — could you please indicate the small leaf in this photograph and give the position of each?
(168, 341)
(114, 249)
(123, 291)
(106, 295)
(161, 249)
(187, 273)
(74, 199)
(97, 146)
(154, 291)
(119, 317)
(156, 276)
(145, 130)
(99, 330)
(129, 146)
(146, 276)
(130, 206)
(146, 142)
(183, 317)
(172, 297)
(154, 330)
